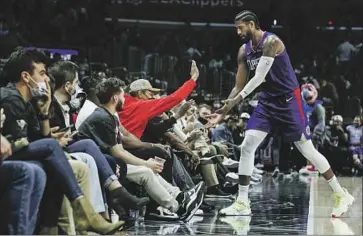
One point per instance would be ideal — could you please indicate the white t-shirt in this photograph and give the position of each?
(86, 110)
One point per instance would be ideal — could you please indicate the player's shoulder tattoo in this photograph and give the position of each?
(241, 54)
(272, 46)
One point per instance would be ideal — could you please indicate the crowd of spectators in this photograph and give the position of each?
(89, 142)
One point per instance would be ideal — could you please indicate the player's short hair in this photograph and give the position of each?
(247, 15)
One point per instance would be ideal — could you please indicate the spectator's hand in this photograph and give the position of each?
(164, 148)
(195, 160)
(228, 105)
(183, 109)
(2, 117)
(157, 167)
(45, 104)
(195, 134)
(224, 150)
(64, 141)
(194, 71)
(189, 127)
(213, 120)
(57, 135)
(340, 128)
(5, 147)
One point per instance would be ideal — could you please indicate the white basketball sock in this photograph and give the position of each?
(243, 192)
(334, 184)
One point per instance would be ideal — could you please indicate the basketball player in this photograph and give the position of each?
(264, 59)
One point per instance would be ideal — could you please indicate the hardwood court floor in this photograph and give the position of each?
(298, 206)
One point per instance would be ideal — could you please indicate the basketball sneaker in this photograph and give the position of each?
(240, 224)
(342, 203)
(238, 208)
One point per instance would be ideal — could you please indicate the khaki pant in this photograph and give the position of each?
(81, 172)
(157, 187)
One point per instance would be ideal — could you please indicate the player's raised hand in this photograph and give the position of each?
(194, 71)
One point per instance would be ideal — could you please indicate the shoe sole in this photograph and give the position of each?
(153, 216)
(223, 214)
(217, 196)
(349, 205)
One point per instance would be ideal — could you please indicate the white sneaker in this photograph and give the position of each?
(304, 171)
(259, 165)
(257, 171)
(257, 176)
(240, 224)
(342, 203)
(238, 208)
(232, 177)
(229, 163)
(255, 179)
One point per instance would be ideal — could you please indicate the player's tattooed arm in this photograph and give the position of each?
(242, 73)
(272, 46)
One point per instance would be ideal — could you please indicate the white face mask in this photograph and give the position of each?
(40, 91)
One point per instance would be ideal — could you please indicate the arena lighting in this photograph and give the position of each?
(178, 23)
(356, 28)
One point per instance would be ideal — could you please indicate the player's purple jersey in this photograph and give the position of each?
(281, 78)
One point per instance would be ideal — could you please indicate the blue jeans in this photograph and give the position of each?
(113, 162)
(23, 183)
(88, 146)
(51, 155)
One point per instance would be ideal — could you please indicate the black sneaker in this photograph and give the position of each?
(216, 192)
(191, 202)
(163, 214)
(120, 199)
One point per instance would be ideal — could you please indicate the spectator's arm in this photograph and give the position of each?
(131, 141)
(37, 129)
(117, 151)
(176, 142)
(14, 125)
(156, 107)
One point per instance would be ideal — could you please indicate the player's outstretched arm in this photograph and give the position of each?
(242, 73)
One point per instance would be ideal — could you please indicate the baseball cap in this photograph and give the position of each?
(142, 84)
(245, 115)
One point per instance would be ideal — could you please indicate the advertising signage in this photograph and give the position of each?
(182, 10)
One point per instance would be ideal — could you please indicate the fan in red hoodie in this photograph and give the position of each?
(136, 113)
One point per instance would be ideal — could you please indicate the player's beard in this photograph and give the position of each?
(247, 37)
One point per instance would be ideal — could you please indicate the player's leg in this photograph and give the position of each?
(342, 198)
(295, 127)
(257, 129)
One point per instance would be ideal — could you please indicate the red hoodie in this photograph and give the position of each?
(136, 113)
